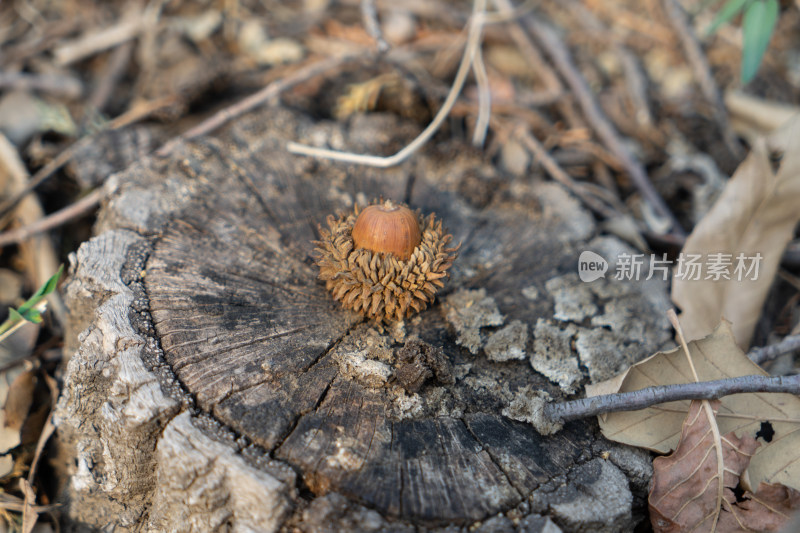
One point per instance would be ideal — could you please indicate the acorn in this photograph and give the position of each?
(385, 261)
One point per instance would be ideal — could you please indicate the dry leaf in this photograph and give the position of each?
(769, 509)
(756, 214)
(693, 490)
(690, 486)
(715, 357)
(19, 399)
(9, 436)
(752, 116)
(47, 429)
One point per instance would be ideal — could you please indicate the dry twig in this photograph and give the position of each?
(273, 90)
(53, 220)
(531, 52)
(648, 397)
(473, 42)
(605, 130)
(112, 73)
(698, 390)
(702, 71)
(370, 17)
(484, 99)
(62, 85)
(29, 516)
(789, 344)
(636, 83)
(555, 171)
(47, 430)
(136, 114)
(100, 39)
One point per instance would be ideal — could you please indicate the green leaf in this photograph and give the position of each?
(757, 27)
(48, 287)
(33, 316)
(51, 284)
(728, 11)
(14, 315)
(30, 311)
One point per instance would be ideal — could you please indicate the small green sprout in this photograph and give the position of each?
(32, 309)
(758, 23)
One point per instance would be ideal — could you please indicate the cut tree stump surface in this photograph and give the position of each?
(215, 384)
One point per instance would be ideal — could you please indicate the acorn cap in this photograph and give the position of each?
(389, 266)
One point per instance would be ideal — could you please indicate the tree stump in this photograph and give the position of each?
(215, 385)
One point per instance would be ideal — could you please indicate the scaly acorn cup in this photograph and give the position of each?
(386, 261)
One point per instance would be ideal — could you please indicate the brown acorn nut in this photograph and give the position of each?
(386, 262)
(388, 228)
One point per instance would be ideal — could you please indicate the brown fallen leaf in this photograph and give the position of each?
(691, 486)
(756, 214)
(769, 509)
(19, 399)
(715, 357)
(752, 116)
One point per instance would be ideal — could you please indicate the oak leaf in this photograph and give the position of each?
(768, 510)
(692, 485)
(715, 357)
(755, 217)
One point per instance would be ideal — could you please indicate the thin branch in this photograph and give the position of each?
(29, 516)
(648, 397)
(555, 171)
(560, 55)
(112, 73)
(53, 220)
(484, 99)
(473, 42)
(699, 390)
(636, 82)
(42, 174)
(138, 112)
(12, 503)
(531, 53)
(370, 17)
(789, 344)
(702, 71)
(47, 430)
(100, 39)
(269, 92)
(57, 84)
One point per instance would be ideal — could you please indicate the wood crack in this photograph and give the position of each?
(521, 492)
(296, 420)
